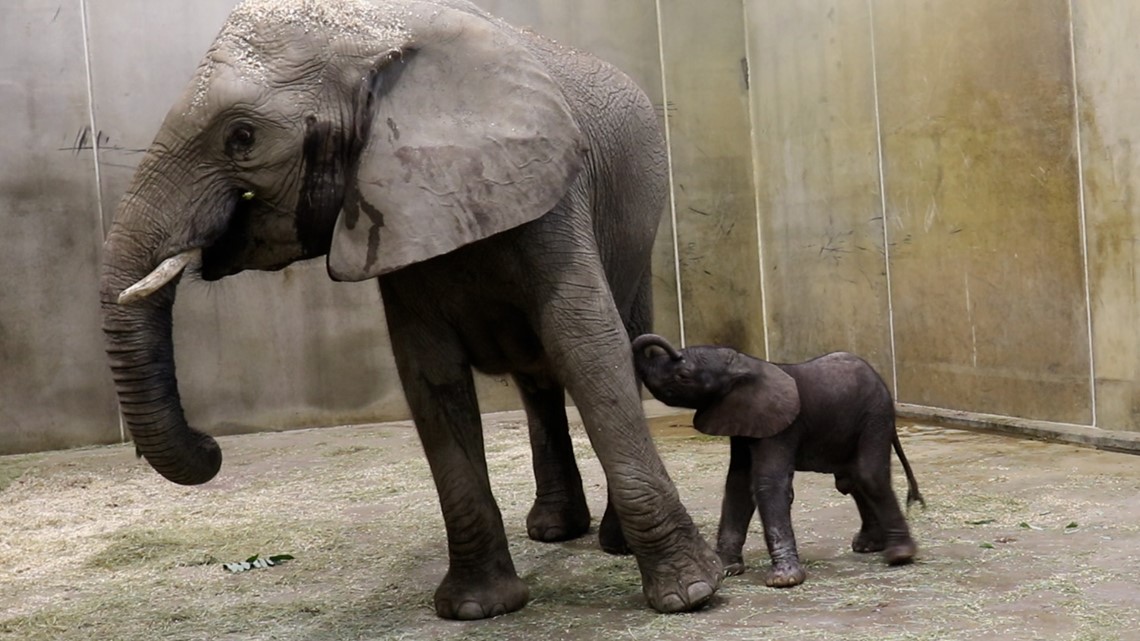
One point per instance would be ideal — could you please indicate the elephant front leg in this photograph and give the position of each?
(736, 508)
(559, 512)
(584, 339)
(772, 487)
(481, 580)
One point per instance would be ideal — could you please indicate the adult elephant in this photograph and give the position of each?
(503, 189)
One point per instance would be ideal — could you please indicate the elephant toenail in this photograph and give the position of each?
(469, 611)
(699, 593)
(672, 603)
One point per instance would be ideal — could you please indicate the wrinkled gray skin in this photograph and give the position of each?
(832, 414)
(505, 191)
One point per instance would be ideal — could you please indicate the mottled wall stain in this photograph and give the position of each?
(817, 179)
(982, 198)
(703, 46)
(1108, 73)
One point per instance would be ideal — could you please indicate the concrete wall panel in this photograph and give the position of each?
(704, 53)
(53, 390)
(1108, 73)
(980, 161)
(817, 180)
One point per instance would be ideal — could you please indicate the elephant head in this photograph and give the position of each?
(734, 394)
(378, 133)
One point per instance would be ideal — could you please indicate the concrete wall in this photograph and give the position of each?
(54, 390)
(910, 181)
(993, 136)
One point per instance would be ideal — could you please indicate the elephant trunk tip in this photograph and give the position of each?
(645, 341)
(199, 462)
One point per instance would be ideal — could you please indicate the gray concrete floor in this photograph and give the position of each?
(1020, 540)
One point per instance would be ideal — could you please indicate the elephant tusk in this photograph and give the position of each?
(163, 274)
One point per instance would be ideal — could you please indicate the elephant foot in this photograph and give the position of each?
(733, 564)
(686, 578)
(865, 541)
(557, 519)
(785, 575)
(901, 553)
(478, 595)
(610, 536)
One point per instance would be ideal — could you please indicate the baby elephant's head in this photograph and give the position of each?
(694, 377)
(734, 394)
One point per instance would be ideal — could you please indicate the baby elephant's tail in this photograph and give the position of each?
(912, 493)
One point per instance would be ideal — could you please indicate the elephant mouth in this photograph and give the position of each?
(243, 244)
(221, 257)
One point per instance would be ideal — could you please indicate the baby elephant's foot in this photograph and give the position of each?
(785, 575)
(901, 553)
(869, 541)
(733, 564)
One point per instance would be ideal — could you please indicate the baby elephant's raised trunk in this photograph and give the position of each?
(645, 341)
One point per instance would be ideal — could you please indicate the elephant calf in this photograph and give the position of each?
(832, 414)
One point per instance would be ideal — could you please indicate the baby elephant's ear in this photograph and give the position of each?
(759, 406)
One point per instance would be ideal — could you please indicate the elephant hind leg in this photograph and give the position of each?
(870, 537)
(873, 484)
(559, 512)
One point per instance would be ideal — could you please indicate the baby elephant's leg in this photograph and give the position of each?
(873, 482)
(737, 507)
(870, 537)
(772, 470)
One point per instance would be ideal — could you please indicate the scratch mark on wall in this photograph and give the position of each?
(931, 215)
(973, 326)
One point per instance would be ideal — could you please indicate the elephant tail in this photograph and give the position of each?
(912, 493)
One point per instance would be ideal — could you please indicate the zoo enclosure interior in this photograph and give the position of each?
(945, 189)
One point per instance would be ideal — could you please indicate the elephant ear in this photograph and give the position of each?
(467, 136)
(760, 405)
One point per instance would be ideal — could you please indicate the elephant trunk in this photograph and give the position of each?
(645, 341)
(141, 352)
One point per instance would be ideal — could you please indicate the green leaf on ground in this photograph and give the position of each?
(255, 562)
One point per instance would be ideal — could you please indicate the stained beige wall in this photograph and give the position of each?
(704, 57)
(966, 113)
(982, 194)
(817, 178)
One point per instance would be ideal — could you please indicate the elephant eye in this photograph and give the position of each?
(239, 138)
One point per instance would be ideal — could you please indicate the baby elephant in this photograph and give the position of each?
(832, 414)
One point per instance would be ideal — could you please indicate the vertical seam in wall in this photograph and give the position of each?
(91, 114)
(669, 161)
(752, 139)
(1081, 210)
(91, 122)
(883, 201)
